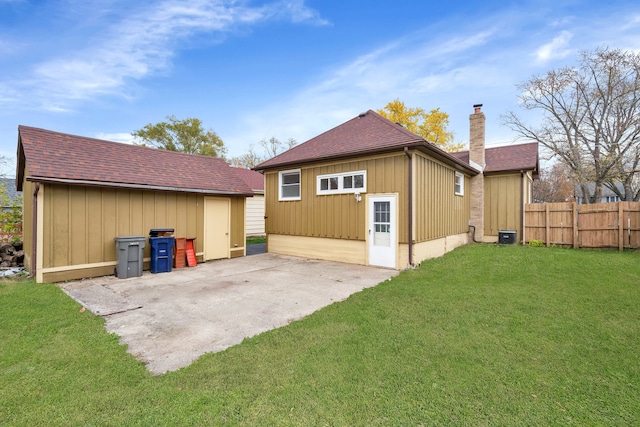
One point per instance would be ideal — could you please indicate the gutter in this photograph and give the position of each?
(423, 146)
(37, 179)
(410, 210)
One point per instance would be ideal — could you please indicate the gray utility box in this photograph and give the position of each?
(130, 251)
(507, 237)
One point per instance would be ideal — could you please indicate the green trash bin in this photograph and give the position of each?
(130, 251)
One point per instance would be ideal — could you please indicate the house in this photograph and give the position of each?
(81, 193)
(255, 204)
(367, 192)
(508, 185)
(370, 192)
(607, 196)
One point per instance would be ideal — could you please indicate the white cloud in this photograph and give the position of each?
(124, 137)
(142, 44)
(632, 22)
(555, 49)
(418, 69)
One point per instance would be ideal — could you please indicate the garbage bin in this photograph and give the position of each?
(130, 256)
(161, 254)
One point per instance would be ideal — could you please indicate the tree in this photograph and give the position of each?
(186, 136)
(590, 119)
(432, 126)
(270, 148)
(553, 186)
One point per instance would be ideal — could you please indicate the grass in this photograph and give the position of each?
(254, 240)
(487, 335)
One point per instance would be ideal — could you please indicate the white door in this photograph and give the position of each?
(216, 227)
(382, 238)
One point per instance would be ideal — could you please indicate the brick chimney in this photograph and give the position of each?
(476, 160)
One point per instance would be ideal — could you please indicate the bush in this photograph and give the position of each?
(536, 243)
(10, 216)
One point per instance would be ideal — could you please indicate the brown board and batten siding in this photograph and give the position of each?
(80, 224)
(336, 216)
(237, 236)
(503, 204)
(439, 212)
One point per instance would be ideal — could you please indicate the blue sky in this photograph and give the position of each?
(291, 69)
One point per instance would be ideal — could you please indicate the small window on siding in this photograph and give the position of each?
(289, 183)
(342, 183)
(459, 185)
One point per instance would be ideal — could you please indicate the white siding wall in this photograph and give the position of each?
(255, 215)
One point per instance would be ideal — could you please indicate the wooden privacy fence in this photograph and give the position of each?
(599, 225)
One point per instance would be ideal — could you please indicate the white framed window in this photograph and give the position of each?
(289, 185)
(342, 183)
(459, 184)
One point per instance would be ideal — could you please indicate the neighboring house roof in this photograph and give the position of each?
(70, 159)
(368, 133)
(606, 191)
(510, 158)
(255, 180)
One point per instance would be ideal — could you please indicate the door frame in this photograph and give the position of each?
(207, 228)
(370, 199)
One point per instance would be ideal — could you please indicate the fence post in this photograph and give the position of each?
(575, 225)
(546, 224)
(620, 227)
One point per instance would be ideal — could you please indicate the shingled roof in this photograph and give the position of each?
(255, 180)
(510, 158)
(69, 159)
(368, 133)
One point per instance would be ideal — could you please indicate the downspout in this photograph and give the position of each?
(410, 214)
(522, 207)
(34, 232)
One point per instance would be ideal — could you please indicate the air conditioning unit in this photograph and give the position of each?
(507, 237)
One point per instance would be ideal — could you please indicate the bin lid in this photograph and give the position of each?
(155, 232)
(130, 238)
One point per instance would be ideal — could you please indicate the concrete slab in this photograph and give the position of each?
(191, 311)
(101, 300)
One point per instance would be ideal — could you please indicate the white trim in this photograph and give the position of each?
(455, 184)
(341, 189)
(289, 172)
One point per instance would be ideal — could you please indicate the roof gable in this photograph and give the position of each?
(509, 158)
(58, 157)
(368, 133)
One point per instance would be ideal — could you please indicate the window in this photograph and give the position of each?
(342, 183)
(459, 186)
(289, 183)
(611, 199)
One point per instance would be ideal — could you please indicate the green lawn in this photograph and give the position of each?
(254, 240)
(487, 335)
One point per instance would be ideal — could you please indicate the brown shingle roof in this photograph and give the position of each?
(58, 157)
(255, 180)
(508, 158)
(367, 133)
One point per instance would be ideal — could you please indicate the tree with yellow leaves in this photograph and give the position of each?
(432, 126)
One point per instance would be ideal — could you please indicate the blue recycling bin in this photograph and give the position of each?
(161, 254)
